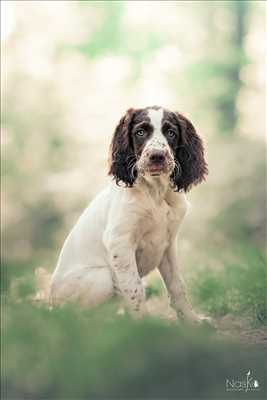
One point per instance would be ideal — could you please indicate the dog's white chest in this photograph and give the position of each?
(157, 228)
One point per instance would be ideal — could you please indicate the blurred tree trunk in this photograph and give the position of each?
(238, 11)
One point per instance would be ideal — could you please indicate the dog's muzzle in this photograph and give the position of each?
(156, 162)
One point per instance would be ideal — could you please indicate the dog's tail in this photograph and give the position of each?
(43, 285)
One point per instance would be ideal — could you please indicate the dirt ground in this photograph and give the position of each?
(228, 327)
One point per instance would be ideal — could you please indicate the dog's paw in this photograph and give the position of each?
(204, 320)
(199, 320)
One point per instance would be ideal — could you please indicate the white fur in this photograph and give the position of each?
(158, 140)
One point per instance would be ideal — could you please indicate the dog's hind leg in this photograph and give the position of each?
(87, 286)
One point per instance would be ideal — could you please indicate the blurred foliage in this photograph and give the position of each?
(108, 36)
(65, 86)
(75, 355)
(240, 287)
(113, 37)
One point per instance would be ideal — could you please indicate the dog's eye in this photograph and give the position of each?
(171, 133)
(140, 132)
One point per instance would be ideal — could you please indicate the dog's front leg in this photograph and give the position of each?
(123, 265)
(175, 285)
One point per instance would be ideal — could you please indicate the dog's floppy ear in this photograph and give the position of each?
(189, 155)
(122, 156)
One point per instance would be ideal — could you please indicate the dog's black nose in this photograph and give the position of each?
(157, 157)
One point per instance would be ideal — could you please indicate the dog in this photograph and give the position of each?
(130, 228)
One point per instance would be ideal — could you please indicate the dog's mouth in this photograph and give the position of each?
(156, 170)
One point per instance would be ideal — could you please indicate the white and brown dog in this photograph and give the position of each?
(130, 228)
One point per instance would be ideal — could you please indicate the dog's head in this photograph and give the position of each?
(154, 141)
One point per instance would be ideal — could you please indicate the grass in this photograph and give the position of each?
(69, 354)
(72, 354)
(239, 287)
